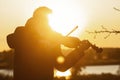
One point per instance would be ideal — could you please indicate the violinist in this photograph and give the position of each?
(38, 48)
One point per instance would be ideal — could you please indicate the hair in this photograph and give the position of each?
(39, 19)
(42, 11)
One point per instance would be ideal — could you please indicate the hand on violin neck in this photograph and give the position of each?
(84, 45)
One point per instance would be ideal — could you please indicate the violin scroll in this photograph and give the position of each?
(97, 49)
(87, 44)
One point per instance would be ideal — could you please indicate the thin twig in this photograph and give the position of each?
(116, 9)
(104, 30)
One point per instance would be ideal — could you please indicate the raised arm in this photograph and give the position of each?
(71, 42)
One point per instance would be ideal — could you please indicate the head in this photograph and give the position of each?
(42, 11)
(39, 21)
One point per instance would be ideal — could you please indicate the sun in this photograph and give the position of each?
(63, 20)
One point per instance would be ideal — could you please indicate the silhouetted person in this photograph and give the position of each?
(38, 48)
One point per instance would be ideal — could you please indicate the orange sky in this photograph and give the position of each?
(93, 14)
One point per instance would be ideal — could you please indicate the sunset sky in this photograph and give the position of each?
(89, 15)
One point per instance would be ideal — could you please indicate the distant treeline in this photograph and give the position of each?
(80, 77)
(6, 59)
(109, 56)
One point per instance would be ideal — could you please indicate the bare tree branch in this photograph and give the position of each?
(116, 9)
(104, 30)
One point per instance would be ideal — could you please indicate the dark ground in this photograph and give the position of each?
(83, 77)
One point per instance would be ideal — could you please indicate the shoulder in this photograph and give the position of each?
(10, 40)
(18, 29)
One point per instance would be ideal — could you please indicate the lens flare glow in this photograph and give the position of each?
(64, 19)
(60, 59)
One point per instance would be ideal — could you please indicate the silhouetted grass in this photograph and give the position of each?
(81, 77)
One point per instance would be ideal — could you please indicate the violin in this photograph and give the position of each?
(86, 44)
(97, 49)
